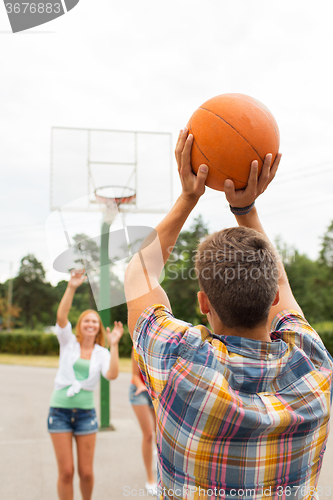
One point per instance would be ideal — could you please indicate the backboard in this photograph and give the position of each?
(83, 160)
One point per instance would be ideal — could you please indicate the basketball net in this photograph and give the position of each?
(112, 197)
(111, 211)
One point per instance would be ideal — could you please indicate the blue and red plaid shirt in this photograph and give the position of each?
(236, 418)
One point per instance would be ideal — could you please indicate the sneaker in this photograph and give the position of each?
(151, 489)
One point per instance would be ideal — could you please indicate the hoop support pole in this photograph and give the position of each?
(106, 320)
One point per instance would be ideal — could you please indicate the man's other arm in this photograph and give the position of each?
(242, 198)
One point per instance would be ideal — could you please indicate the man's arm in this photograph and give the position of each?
(245, 197)
(142, 274)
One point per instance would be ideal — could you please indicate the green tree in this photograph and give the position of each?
(308, 281)
(326, 262)
(180, 282)
(326, 252)
(8, 313)
(33, 294)
(4, 289)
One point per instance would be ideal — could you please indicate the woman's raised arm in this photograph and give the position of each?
(76, 279)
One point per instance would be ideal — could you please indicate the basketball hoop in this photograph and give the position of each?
(112, 197)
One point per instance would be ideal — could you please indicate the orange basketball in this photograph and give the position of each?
(230, 131)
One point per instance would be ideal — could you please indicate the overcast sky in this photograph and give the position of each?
(147, 65)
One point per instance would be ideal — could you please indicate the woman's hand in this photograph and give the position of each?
(115, 335)
(255, 186)
(77, 278)
(113, 339)
(193, 185)
(140, 389)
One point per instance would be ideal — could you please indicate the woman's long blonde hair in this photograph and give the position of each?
(100, 337)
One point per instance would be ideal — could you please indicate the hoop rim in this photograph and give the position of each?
(119, 200)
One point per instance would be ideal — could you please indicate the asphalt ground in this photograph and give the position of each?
(28, 469)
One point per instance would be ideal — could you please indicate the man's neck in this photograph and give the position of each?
(260, 332)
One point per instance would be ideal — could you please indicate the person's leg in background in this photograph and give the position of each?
(144, 416)
(85, 457)
(63, 447)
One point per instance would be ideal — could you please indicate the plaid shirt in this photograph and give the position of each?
(236, 418)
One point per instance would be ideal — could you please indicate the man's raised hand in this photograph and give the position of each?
(193, 185)
(255, 186)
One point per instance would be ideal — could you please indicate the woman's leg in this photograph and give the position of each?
(152, 412)
(63, 447)
(85, 458)
(143, 414)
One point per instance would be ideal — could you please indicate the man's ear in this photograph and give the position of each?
(204, 303)
(277, 298)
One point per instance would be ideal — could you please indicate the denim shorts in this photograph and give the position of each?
(142, 399)
(79, 422)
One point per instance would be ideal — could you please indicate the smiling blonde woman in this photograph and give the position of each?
(83, 358)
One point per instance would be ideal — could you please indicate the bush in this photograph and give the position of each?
(29, 343)
(38, 343)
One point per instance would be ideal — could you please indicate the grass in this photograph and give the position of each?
(125, 364)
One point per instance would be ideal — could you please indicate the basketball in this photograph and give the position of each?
(229, 132)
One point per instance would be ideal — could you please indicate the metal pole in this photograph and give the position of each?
(105, 314)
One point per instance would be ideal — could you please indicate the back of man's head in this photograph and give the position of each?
(237, 269)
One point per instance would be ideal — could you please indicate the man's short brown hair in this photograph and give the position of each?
(237, 269)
